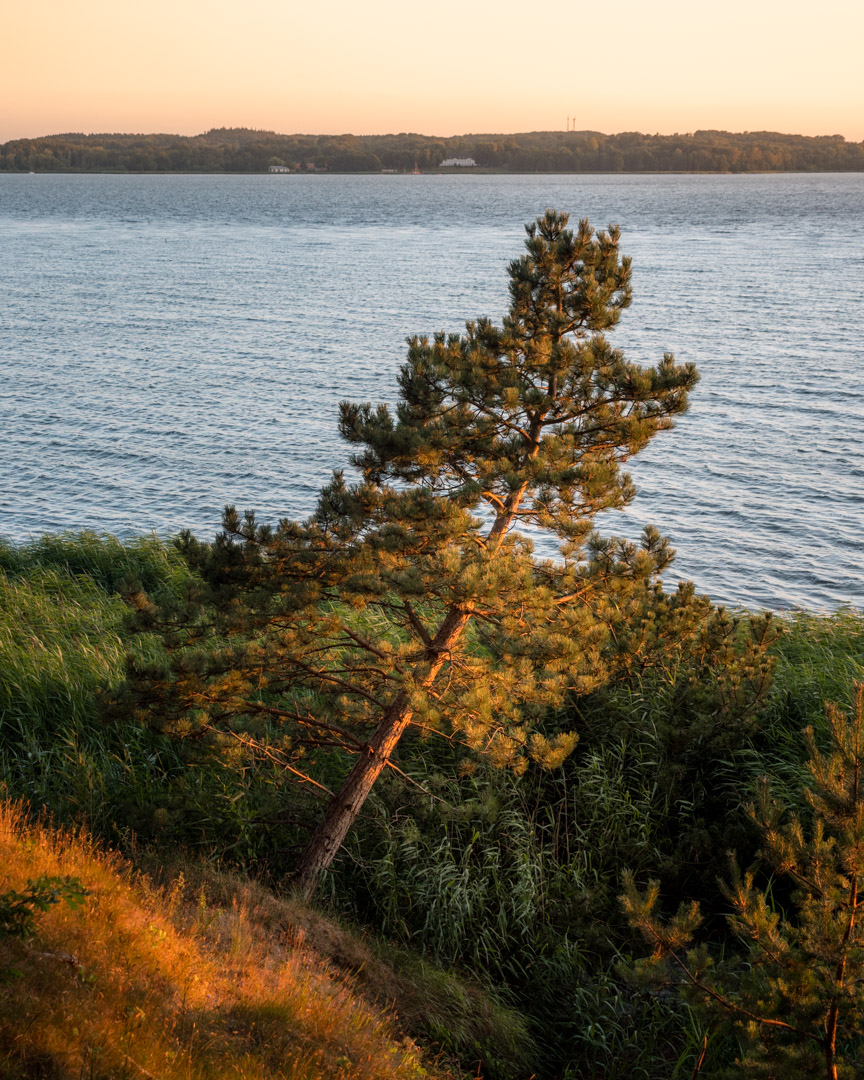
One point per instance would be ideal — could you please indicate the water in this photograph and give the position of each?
(169, 344)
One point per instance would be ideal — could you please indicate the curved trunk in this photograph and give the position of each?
(340, 814)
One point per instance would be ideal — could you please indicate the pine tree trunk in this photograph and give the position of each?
(340, 815)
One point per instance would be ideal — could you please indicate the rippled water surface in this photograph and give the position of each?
(172, 343)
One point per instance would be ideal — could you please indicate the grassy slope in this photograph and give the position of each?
(140, 982)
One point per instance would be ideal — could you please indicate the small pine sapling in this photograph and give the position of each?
(796, 998)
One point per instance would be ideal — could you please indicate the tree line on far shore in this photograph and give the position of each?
(242, 150)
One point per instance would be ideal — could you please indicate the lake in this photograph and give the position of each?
(169, 344)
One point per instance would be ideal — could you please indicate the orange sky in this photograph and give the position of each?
(465, 66)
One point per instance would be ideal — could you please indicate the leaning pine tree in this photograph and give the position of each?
(413, 597)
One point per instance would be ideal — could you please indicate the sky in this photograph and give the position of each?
(458, 67)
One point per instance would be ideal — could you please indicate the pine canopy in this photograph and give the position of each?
(413, 597)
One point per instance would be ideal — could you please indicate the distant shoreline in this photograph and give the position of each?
(432, 172)
(244, 152)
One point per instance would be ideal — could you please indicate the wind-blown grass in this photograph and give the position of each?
(146, 563)
(63, 647)
(60, 648)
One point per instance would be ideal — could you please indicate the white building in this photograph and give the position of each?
(458, 163)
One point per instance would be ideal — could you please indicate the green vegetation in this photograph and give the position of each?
(795, 996)
(19, 910)
(510, 879)
(177, 701)
(244, 151)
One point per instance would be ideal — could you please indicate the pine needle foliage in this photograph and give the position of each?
(413, 596)
(796, 1002)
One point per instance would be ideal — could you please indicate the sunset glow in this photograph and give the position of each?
(669, 66)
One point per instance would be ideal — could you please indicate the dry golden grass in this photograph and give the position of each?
(139, 983)
(452, 1011)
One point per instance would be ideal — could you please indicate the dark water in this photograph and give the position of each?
(170, 344)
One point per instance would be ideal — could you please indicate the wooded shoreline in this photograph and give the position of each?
(241, 150)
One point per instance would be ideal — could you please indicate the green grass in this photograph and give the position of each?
(63, 646)
(145, 563)
(61, 649)
(819, 656)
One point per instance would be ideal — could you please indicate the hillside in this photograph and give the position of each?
(209, 976)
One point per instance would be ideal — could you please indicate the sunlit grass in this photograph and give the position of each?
(819, 656)
(113, 565)
(139, 982)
